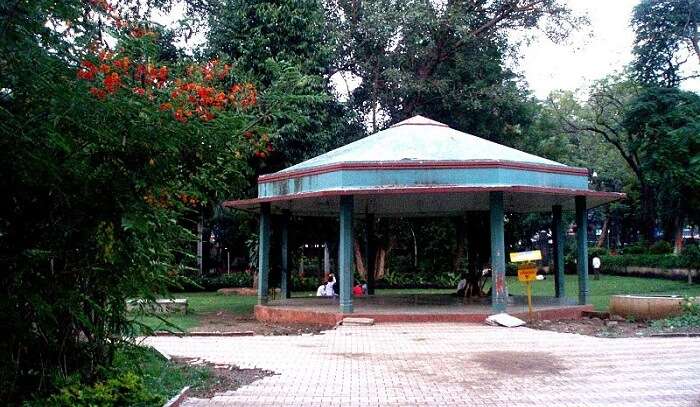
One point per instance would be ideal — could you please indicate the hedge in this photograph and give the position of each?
(662, 261)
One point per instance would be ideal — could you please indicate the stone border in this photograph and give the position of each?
(281, 314)
(178, 398)
(197, 333)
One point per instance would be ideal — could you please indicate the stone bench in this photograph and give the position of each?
(161, 306)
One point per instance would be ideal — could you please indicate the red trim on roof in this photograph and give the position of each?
(434, 123)
(244, 203)
(424, 165)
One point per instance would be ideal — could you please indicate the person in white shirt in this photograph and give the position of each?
(330, 292)
(321, 292)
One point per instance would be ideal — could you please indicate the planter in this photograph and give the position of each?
(646, 307)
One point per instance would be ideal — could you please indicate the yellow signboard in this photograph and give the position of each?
(526, 256)
(527, 274)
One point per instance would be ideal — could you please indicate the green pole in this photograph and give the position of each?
(264, 252)
(499, 297)
(582, 249)
(558, 251)
(285, 291)
(345, 254)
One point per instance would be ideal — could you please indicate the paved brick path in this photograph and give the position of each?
(452, 365)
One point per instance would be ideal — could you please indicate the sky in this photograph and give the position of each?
(589, 54)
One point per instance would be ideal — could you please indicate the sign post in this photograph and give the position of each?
(527, 272)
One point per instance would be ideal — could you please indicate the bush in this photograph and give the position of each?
(636, 248)
(305, 283)
(689, 258)
(661, 247)
(126, 389)
(597, 252)
(215, 282)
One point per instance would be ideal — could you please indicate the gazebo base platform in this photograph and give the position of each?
(412, 308)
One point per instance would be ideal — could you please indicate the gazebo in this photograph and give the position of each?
(416, 168)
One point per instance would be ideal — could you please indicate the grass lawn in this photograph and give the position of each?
(601, 290)
(201, 303)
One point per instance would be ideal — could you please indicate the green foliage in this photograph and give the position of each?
(304, 283)
(640, 247)
(257, 34)
(139, 376)
(665, 32)
(661, 247)
(688, 320)
(663, 261)
(215, 282)
(597, 252)
(442, 60)
(126, 390)
(104, 183)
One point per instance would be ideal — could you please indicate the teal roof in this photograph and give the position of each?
(421, 139)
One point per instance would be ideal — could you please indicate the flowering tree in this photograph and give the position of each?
(106, 153)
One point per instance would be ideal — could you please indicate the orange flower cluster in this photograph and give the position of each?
(113, 70)
(188, 199)
(160, 201)
(213, 69)
(193, 99)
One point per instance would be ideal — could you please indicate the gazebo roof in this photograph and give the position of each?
(420, 167)
(420, 139)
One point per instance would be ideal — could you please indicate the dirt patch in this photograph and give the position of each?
(604, 328)
(224, 377)
(520, 363)
(223, 321)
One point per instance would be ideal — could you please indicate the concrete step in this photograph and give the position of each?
(358, 321)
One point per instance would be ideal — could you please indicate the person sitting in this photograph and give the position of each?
(321, 291)
(330, 291)
(357, 290)
(461, 286)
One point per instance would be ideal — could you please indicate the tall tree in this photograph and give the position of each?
(667, 124)
(666, 36)
(257, 33)
(444, 60)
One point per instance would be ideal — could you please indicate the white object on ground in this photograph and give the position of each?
(504, 319)
(358, 321)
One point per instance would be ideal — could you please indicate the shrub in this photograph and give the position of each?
(597, 252)
(661, 247)
(126, 389)
(689, 258)
(636, 248)
(215, 282)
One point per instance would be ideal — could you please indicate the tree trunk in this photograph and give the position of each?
(604, 233)
(648, 212)
(359, 262)
(678, 235)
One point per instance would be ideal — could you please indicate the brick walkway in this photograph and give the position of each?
(452, 365)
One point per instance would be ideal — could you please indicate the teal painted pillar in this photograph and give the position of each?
(582, 249)
(285, 289)
(558, 252)
(264, 252)
(345, 254)
(499, 297)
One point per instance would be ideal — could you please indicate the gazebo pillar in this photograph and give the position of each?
(582, 249)
(558, 252)
(264, 252)
(499, 297)
(285, 289)
(345, 254)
